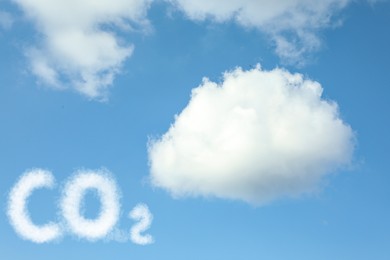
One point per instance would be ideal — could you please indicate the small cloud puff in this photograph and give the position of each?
(257, 136)
(78, 46)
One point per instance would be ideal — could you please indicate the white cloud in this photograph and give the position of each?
(78, 46)
(17, 207)
(291, 24)
(142, 214)
(6, 20)
(118, 235)
(257, 136)
(72, 202)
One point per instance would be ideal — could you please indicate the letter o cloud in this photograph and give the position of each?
(17, 211)
(72, 198)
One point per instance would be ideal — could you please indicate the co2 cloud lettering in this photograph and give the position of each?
(70, 208)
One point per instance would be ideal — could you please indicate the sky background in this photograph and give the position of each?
(63, 131)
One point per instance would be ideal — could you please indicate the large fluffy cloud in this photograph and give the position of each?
(257, 136)
(78, 47)
(291, 24)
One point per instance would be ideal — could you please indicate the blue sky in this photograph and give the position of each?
(98, 88)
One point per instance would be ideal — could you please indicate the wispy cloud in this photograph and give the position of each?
(292, 25)
(71, 204)
(118, 235)
(78, 45)
(257, 136)
(6, 20)
(17, 207)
